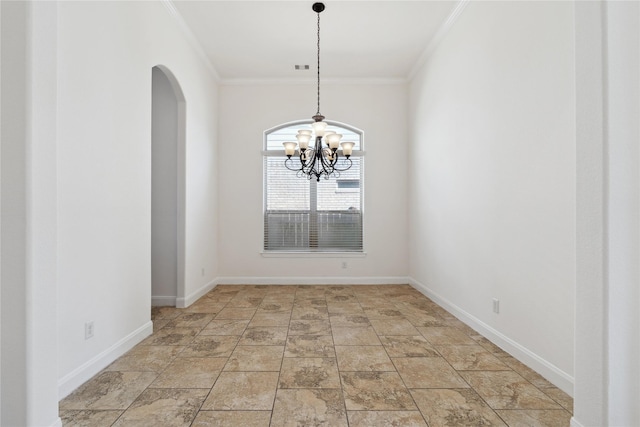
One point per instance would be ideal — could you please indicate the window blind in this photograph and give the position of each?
(309, 216)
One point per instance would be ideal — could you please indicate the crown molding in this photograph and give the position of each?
(298, 81)
(191, 38)
(437, 38)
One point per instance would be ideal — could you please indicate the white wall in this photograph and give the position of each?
(28, 219)
(623, 50)
(106, 51)
(246, 111)
(492, 178)
(607, 373)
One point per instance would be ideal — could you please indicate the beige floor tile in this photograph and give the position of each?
(88, 418)
(172, 336)
(190, 372)
(344, 308)
(408, 346)
(508, 390)
(159, 324)
(163, 407)
(109, 390)
(373, 391)
(340, 298)
(190, 320)
(363, 358)
(205, 306)
(422, 322)
(236, 313)
(211, 346)
(526, 372)
(385, 418)
(489, 346)
(428, 372)
(309, 372)
(146, 358)
(305, 407)
(393, 327)
(270, 318)
(264, 335)
(349, 320)
(383, 313)
(309, 346)
(471, 358)
(310, 327)
(255, 358)
(250, 391)
(355, 336)
(535, 418)
(232, 418)
(559, 396)
(310, 312)
(319, 354)
(454, 407)
(275, 305)
(225, 327)
(245, 301)
(158, 313)
(445, 336)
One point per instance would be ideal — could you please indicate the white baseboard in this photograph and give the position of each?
(393, 280)
(84, 372)
(552, 373)
(193, 297)
(575, 423)
(163, 301)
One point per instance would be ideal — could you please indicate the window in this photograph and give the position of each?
(303, 215)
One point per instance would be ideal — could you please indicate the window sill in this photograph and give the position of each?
(296, 254)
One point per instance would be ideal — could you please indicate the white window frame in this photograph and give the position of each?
(313, 252)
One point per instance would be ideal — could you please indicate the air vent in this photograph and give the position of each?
(302, 67)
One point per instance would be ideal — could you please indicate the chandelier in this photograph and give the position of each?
(319, 161)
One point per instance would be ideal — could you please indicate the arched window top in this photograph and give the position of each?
(274, 137)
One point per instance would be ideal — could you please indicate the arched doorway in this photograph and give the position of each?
(167, 188)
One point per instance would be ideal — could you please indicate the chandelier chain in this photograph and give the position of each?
(318, 63)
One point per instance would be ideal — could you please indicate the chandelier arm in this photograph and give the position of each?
(286, 164)
(347, 168)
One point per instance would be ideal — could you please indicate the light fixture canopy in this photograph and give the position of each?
(321, 161)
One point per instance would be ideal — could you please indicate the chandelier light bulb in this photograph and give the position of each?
(347, 148)
(289, 148)
(333, 141)
(303, 140)
(319, 127)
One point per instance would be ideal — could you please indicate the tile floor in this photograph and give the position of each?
(315, 356)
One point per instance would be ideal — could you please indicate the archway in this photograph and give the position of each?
(167, 188)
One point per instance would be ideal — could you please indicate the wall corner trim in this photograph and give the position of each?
(548, 370)
(84, 372)
(437, 38)
(191, 38)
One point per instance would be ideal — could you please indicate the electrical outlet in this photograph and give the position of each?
(202, 272)
(344, 264)
(496, 305)
(88, 330)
